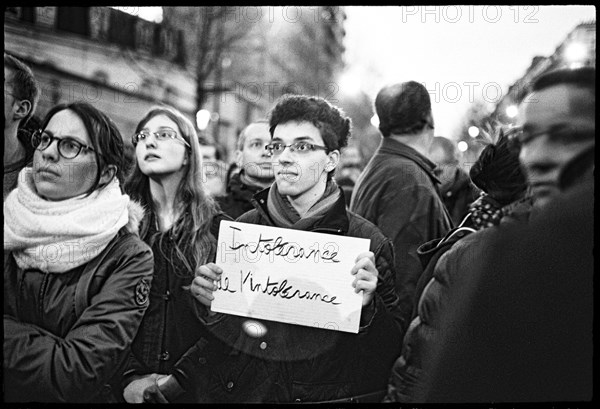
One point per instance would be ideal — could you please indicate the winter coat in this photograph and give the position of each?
(293, 363)
(457, 194)
(454, 269)
(171, 325)
(398, 193)
(237, 200)
(66, 334)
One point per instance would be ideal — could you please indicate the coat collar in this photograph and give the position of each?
(394, 147)
(335, 220)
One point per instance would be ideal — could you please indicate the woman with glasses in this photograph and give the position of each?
(281, 362)
(76, 274)
(181, 227)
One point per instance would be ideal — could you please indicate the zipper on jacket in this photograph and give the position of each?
(41, 296)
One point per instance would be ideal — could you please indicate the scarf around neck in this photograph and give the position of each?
(57, 236)
(284, 215)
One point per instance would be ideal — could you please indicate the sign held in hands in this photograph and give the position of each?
(290, 276)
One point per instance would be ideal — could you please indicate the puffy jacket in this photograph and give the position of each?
(454, 269)
(298, 363)
(66, 335)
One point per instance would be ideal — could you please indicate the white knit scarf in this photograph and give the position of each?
(57, 236)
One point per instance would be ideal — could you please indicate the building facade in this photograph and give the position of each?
(124, 65)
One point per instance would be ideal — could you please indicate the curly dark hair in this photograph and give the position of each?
(330, 120)
(498, 171)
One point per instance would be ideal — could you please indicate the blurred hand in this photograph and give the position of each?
(134, 392)
(153, 394)
(204, 284)
(366, 274)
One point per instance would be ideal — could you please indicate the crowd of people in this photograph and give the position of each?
(476, 286)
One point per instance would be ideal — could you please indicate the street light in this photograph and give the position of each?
(202, 119)
(462, 146)
(575, 53)
(512, 111)
(473, 132)
(375, 121)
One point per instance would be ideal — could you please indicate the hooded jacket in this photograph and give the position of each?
(65, 335)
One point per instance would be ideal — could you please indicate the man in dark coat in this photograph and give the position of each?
(398, 190)
(255, 170)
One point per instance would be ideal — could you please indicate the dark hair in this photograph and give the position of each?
(403, 108)
(331, 121)
(196, 207)
(24, 134)
(105, 136)
(498, 171)
(584, 77)
(23, 83)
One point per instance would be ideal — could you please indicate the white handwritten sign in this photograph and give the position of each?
(289, 276)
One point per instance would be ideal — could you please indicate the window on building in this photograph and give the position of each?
(74, 20)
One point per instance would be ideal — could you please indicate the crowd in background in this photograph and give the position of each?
(477, 286)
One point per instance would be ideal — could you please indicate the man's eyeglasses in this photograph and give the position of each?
(68, 147)
(518, 136)
(277, 148)
(160, 136)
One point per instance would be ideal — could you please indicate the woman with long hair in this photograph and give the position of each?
(181, 226)
(76, 274)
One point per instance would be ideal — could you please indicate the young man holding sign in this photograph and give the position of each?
(269, 361)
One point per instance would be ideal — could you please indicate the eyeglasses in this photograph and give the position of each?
(68, 147)
(518, 136)
(277, 148)
(160, 136)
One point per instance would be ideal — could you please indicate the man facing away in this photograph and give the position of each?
(255, 169)
(398, 190)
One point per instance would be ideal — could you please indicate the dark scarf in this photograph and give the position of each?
(284, 215)
(485, 212)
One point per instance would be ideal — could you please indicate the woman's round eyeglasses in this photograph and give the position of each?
(68, 147)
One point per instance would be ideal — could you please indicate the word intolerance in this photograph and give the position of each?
(275, 288)
(278, 247)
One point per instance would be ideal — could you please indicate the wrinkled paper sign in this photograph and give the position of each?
(290, 276)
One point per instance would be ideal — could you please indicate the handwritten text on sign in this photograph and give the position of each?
(289, 276)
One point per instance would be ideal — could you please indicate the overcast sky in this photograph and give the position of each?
(458, 52)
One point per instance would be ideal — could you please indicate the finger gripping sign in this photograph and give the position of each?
(289, 276)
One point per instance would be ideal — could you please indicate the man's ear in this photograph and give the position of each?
(23, 109)
(108, 174)
(238, 158)
(333, 161)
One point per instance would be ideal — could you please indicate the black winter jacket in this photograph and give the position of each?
(66, 335)
(238, 199)
(297, 363)
(171, 325)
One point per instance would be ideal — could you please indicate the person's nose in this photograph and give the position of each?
(285, 157)
(51, 153)
(265, 152)
(150, 140)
